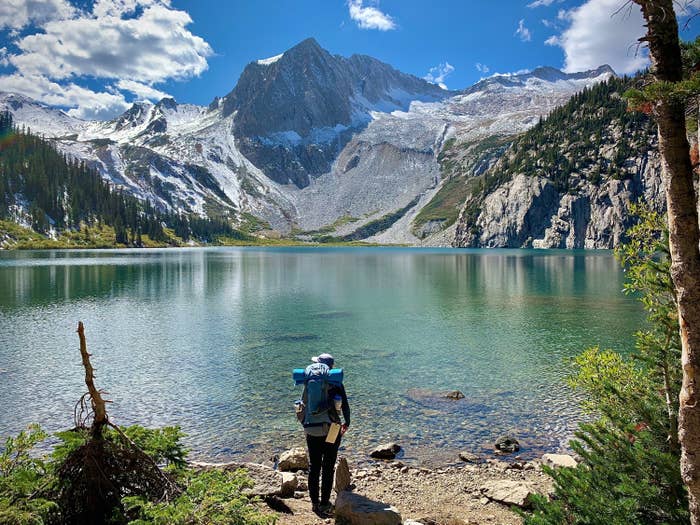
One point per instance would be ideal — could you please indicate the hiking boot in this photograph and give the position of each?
(326, 509)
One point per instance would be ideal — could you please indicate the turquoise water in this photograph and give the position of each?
(207, 339)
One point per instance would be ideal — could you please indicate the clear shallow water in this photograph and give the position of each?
(207, 339)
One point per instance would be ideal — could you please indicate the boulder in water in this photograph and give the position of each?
(507, 444)
(385, 451)
(455, 394)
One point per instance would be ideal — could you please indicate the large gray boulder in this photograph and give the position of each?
(269, 482)
(508, 492)
(355, 509)
(293, 460)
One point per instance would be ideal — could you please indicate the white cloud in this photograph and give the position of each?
(124, 45)
(86, 104)
(150, 48)
(482, 68)
(370, 17)
(523, 32)
(541, 3)
(438, 74)
(142, 91)
(598, 34)
(16, 14)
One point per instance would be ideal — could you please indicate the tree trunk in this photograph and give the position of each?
(96, 400)
(681, 201)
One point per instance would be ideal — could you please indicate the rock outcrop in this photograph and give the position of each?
(569, 182)
(355, 509)
(293, 460)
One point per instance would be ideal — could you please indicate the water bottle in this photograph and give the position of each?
(338, 400)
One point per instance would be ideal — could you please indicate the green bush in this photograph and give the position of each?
(30, 486)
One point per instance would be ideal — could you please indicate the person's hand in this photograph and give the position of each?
(343, 429)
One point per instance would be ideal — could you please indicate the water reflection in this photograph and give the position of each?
(206, 338)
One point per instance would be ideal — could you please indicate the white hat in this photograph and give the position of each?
(326, 359)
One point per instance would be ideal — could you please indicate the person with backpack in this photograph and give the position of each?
(323, 401)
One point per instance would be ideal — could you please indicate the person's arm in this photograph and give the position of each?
(346, 406)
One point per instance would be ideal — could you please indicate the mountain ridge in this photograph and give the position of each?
(361, 142)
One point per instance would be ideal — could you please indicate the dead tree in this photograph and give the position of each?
(95, 477)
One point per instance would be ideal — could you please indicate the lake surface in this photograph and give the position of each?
(207, 339)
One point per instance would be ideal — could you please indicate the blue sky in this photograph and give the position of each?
(94, 58)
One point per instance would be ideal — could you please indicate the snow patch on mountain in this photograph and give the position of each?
(271, 60)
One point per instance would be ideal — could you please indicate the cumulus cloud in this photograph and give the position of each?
(16, 14)
(127, 45)
(523, 32)
(150, 48)
(598, 34)
(482, 68)
(438, 74)
(369, 17)
(142, 91)
(86, 104)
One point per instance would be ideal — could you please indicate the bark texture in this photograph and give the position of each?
(664, 47)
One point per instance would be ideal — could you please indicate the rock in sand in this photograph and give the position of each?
(355, 509)
(508, 492)
(559, 460)
(342, 475)
(293, 460)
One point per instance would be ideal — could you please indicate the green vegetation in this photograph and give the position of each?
(593, 138)
(31, 487)
(461, 164)
(630, 455)
(592, 134)
(67, 199)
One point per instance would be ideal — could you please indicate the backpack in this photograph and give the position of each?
(315, 395)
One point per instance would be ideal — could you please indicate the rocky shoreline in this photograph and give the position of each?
(387, 491)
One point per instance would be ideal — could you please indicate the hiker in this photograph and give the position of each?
(322, 455)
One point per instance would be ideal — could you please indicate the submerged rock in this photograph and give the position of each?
(294, 459)
(507, 444)
(355, 509)
(455, 394)
(385, 451)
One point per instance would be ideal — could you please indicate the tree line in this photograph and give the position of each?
(53, 191)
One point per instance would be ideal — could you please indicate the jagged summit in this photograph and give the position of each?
(309, 96)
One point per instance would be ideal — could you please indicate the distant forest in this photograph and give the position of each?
(62, 193)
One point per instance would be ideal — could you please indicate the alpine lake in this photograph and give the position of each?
(207, 339)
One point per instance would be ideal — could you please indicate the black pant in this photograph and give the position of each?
(322, 455)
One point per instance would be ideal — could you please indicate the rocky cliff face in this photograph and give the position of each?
(295, 112)
(571, 181)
